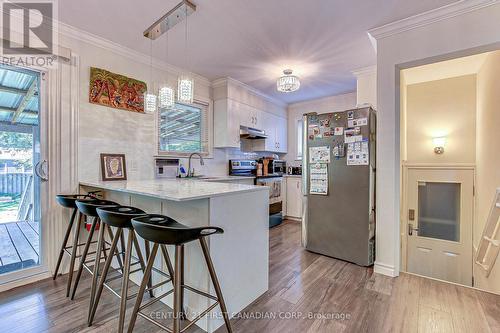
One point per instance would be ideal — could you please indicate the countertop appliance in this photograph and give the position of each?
(339, 184)
(276, 167)
(274, 181)
(166, 167)
(293, 170)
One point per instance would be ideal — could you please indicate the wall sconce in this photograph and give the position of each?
(439, 144)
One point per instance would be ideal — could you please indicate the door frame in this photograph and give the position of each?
(8, 279)
(405, 168)
(59, 107)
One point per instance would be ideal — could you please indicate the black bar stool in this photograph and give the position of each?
(120, 217)
(88, 208)
(163, 230)
(69, 201)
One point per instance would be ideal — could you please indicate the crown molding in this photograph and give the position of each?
(432, 16)
(365, 71)
(225, 80)
(89, 38)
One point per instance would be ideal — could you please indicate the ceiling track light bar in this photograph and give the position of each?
(170, 19)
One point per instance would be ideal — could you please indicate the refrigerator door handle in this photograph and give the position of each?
(305, 157)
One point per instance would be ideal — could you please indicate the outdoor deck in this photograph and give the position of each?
(19, 245)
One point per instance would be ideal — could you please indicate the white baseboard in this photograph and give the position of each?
(24, 281)
(296, 219)
(385, 269)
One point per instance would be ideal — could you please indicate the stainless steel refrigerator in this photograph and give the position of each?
(338, 184)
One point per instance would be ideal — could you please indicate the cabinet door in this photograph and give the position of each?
(233, 124)
(294, 197)
(245, 115)
(250, 116)
(226, 124)
(281, 135)
(269, 126)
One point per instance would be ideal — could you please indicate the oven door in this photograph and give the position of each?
(275, 194)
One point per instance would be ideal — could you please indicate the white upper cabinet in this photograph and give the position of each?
(276, 131)
(250, 116)
(281, 135)
(237, 105)
(226, 124)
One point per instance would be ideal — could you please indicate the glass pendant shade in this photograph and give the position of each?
(185, 89)
(149, 102)
(288, 82)
(166, 97)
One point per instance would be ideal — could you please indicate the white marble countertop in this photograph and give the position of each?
(175, 189)
(293, 176)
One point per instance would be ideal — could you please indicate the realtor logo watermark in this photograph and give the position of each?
(28, 33)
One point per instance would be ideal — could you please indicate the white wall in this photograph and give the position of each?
(442, 108)
(470, 32)
(322, 105)
(488, 158)
(107, 130)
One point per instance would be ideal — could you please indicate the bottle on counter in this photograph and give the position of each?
(259, 169)
(182, 171)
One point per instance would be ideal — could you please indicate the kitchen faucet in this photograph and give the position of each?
(202, 162)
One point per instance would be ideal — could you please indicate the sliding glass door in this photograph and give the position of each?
(21, 171)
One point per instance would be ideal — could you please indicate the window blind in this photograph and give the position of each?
(183, 129)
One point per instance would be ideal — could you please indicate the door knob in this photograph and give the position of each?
(411, 229)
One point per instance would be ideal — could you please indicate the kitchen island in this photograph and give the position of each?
(240, 254)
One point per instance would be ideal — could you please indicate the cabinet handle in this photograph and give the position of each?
(297, 185)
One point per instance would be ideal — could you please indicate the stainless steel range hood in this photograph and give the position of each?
(251, 133)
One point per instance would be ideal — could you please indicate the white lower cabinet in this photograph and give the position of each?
(293, 197)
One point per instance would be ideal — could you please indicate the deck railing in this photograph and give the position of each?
(14, 183)
(25, 210)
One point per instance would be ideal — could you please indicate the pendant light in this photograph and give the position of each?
(185, 83)
(166, 94)
(149, 96)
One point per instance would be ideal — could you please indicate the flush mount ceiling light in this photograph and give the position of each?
(288, 82)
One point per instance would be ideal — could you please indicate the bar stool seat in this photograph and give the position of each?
(89, 206)
(163, 230)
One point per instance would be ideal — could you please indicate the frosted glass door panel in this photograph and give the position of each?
(439, 210)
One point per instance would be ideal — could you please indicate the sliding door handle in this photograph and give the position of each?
(40, 172)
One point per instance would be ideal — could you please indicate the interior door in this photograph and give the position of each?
(439, 224)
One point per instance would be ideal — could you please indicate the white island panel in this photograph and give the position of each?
(240, 254)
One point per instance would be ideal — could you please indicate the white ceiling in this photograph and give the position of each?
(254, 40)
(445, 69)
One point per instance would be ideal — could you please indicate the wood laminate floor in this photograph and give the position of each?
(308, 293)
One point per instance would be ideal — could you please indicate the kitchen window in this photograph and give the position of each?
(183, 129)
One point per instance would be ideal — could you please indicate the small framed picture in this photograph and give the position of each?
(113, 167)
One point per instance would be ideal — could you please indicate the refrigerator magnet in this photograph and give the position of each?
(338, 131)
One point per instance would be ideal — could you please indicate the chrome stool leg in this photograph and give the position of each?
(100, 243)
(125, 279)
